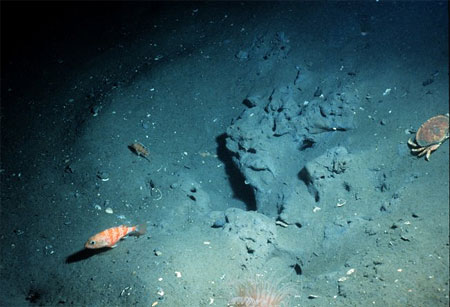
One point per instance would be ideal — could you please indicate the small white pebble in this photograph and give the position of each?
(109, 210)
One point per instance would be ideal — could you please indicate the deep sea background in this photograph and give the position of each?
(277, 136)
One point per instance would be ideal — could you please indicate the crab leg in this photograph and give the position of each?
(430, 150)
(420, 151)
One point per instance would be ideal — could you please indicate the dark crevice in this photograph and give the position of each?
(241, 190)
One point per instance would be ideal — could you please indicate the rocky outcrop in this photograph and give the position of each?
(268, 138)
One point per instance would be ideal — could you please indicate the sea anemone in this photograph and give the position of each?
(261, 293)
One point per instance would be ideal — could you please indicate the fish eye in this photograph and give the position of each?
(92, 242)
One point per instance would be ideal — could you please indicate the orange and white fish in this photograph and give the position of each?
(110, 236)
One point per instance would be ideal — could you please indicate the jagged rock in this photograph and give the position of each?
(256, 231)
(317, 173)
(267, 140)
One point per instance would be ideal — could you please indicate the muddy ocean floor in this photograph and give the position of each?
(276, 135)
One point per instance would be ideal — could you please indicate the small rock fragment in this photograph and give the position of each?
(157, 252)
(427, 81)
(242, 55)
(318, 92)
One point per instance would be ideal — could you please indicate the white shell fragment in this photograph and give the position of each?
(157, 253)
(344, 278)
(386, 92)
(281, 223)
(341, 202)
(109, 210)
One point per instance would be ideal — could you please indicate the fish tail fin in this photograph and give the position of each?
(141, 229)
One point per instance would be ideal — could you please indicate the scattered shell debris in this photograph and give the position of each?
(126, 291)
(341, 202)
(109, 210)
(348, 273)
(205, 154)
(281, 223)
(160, 292)
(103, 176)
(156, 193)
(178, 274)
